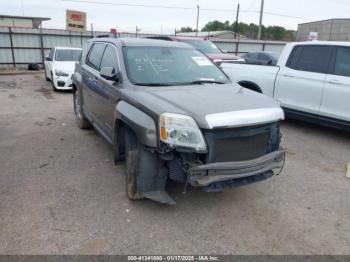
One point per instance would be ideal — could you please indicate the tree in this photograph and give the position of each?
(216, 26)
(187, 29)
(251, 30)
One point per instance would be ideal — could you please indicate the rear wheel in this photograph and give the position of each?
(133, 149)
(82, 121)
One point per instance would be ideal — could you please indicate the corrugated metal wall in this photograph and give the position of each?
(245, 46)
(28, 44)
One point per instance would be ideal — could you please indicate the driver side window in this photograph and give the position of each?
(109, 58)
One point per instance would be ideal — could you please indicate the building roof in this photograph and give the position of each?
(208, 34)
(35, 20)
(326, 20)
(25, 17)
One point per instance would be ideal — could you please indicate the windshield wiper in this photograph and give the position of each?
(204, 81)
(155, 84)
(196, 82)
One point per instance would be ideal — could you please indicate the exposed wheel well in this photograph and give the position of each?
(119, 140)
(74, 88)
(250, 85)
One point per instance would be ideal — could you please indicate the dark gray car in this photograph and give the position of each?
(173, 114)
(261, 58)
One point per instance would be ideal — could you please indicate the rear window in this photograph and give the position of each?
(95, 55)
(310, 58)
(264, 58)
(342, 62)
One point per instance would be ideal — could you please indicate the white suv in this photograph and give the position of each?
(311, 81)
(59, 66)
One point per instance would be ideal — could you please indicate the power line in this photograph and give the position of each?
(183, 8)
(127, 4)
(252, 5)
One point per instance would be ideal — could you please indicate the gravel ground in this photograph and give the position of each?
(61, 193)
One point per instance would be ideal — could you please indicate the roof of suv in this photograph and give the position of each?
(176, 38)
(68, 47)
(142, 42)
(316, 42)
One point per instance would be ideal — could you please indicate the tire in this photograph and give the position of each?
(47, 79)
(53, 84)
(80, 118)
(132, 156)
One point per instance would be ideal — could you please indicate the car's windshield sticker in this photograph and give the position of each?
(201, 61)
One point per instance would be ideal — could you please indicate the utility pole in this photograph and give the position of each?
(136, 31)
(197, 19)
(260, 20)
(22, 7)
(236, 26)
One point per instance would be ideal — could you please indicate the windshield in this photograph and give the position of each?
(170, 66)
(67, 55)
(205, 46)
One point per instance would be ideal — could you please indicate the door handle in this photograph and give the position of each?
(93, 79)
(335, 82)
(289, 75)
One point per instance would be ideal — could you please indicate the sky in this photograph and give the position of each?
(107, 14)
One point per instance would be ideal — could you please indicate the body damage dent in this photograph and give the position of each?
(139, 122)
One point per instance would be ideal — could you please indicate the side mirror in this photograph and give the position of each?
(47, 58)
(109, 73)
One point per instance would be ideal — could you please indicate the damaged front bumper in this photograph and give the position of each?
(207, 174)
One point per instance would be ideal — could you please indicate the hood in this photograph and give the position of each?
(66, 66)
(223, 56)
(213, 105)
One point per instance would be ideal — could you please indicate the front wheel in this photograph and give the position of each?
(53, 83)
(81, 120)
(47, 78)
(132, 156)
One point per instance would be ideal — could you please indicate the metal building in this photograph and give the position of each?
(213, 34)
(337, 29)
(21, 21)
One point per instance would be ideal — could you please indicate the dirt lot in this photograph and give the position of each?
(61, 193)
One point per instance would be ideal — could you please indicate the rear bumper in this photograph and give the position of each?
(204, 175)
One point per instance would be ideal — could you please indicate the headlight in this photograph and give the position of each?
(181, 130)
(61, 73)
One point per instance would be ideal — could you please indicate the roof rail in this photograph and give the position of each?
(107, 35)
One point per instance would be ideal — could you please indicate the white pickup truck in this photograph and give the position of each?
(311, 81)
